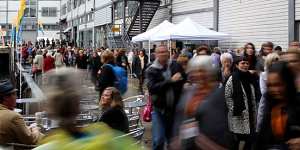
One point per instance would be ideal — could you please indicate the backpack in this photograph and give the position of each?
(121, 78)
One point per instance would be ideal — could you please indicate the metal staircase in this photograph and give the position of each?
(114, 39)
(148, 10)
(132, 26)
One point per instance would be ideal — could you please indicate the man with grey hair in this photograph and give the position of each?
(165, 79)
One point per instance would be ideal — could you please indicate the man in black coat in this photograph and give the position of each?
(164, 82)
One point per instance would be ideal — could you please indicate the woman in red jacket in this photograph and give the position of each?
(48, 62)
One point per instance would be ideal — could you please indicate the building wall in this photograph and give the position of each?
(256, 24)
(3, 12)
(49, 20)
(8, 10)
(297, 9)
(200, 11)
(49, 34)
(103, 16)
(160, 15)
(204, 18)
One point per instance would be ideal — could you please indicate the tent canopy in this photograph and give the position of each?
(146, 36)
(189, 30)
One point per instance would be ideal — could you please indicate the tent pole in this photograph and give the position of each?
(149, 48)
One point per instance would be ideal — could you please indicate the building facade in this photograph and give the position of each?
(45, 11)
(90, 22)
(254, 21)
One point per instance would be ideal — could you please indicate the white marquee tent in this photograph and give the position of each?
(188, 30)
(146, 36)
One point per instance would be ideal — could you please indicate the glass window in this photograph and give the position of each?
(45, 11)
(49, 11)
(74, 4)
(30, 12)
(64, 9)
(52, 11)
(69, 5)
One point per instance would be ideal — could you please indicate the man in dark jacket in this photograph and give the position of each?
(164, 82)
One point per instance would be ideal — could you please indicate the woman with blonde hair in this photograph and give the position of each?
(269, 60)
(112, 107)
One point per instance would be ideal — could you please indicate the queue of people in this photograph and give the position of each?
(201, 99)
(241, 101)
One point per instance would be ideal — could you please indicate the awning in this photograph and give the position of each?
(67, 30)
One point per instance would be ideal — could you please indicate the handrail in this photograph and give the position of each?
(112, 44)
(132, 97)
(21, 145)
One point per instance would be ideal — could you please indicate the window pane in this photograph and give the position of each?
(45, 11)
(32, 12)
(52, 11)
(26, 12)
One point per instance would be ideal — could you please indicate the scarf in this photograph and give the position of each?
(240, 78)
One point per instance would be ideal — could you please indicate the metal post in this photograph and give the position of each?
(37, 19)
(291, 20)
(124, 16)
(93, 39)
(141, 21)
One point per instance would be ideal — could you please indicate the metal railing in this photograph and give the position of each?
(110, 36)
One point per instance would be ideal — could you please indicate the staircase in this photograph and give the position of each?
(149, 8)
(123, 38)
(114, 39)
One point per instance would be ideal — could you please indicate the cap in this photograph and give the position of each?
(6, 87)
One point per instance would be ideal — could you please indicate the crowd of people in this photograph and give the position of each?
(205, 98)
(226, 100)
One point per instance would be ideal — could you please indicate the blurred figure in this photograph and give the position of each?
(139, 64)
(47, 42)
(64, 90)
(239, 51)
(81, 60)
(130, 60)
(12, 126)
(294, 44)
(152, 53)
(292, 56)
(95, 63)
(216, 57)
(48, 62)
(226, 69)
(202, 50)
(279, 126)
(186, 52)
(183, 60)
(121, 59)
(112, 110)
(241, 94)
(270, 59)
(24, 53)
(278, 49)
(165, 82)
(106, 73)
(58, 59)
(249, 53)
(200, 114)
(266, 48)
(69, 57)
(38, 65)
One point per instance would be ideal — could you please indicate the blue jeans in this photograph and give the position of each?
(159, 134)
